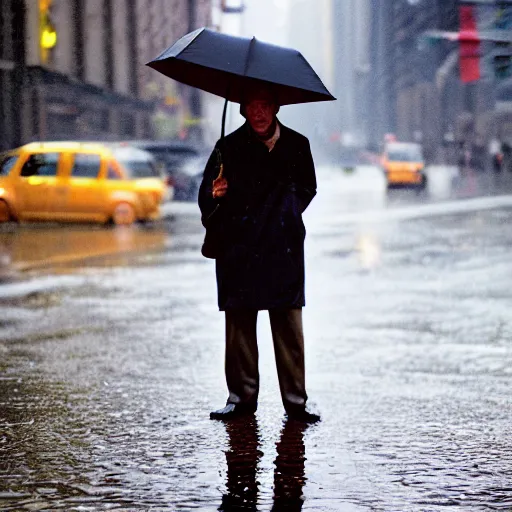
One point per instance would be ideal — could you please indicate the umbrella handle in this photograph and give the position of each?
(220, 163)
(220, 178)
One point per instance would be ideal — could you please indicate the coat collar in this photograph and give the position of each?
(253, 138)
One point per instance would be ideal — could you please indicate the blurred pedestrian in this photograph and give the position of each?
(268, 180)
(496, 155)
(466, 154)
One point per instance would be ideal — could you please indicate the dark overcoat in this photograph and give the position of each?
(261, 265)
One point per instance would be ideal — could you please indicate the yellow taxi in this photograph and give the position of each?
(81, 182)
(403, 164)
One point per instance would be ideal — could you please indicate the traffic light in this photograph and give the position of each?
(47, 31)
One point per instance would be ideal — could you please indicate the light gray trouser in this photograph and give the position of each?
(241, 363)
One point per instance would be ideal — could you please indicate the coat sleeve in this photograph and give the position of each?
(305, 177)
(207, 203)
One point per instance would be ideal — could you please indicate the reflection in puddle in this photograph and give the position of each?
(27, 247)
(289, 474)
(369, 251)
(243, 456)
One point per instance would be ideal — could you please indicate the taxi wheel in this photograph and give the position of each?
(5, 213)
(123, 215)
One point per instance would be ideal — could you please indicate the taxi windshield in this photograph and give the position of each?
(7, 161)
(405, 154)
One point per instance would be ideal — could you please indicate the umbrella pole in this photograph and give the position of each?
(224, 119)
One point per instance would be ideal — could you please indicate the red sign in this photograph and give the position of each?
(469, 45)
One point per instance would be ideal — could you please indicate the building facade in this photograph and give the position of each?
(83, 85)
(333, 36)
(381, 111)
(11, 71)
(179, 108)
(75, 69)
(311, 28)
(351, 43)
(405, 70)
(417, 91)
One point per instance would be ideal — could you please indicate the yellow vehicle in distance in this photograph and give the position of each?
(404, 164)
(80, 182)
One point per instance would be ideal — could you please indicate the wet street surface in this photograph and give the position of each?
(111, 358)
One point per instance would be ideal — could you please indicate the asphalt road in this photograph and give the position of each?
(111, 357)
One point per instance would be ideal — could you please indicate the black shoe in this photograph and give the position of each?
(233, 411)
(303, 415)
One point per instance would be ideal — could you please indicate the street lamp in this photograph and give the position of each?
(48, 37)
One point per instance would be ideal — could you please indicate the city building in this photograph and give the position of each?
(333, 36)
(81, 82)
(312, 28)
(230, 17)
(351, 20)
(11, 71)
(417, 92)
(406, 99)
(179, 108)
(75, 69)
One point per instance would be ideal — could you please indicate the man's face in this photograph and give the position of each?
(260, 110)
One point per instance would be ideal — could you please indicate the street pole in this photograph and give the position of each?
(194, 129)
(19, 74)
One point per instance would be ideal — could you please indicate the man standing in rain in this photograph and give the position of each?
(268, 181)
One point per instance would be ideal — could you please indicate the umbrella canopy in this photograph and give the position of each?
(222, 65)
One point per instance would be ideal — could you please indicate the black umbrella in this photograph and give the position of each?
(223, 65)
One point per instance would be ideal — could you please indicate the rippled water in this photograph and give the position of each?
(106, 383)
(85, 452)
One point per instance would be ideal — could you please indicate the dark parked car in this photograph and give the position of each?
(183, 162)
